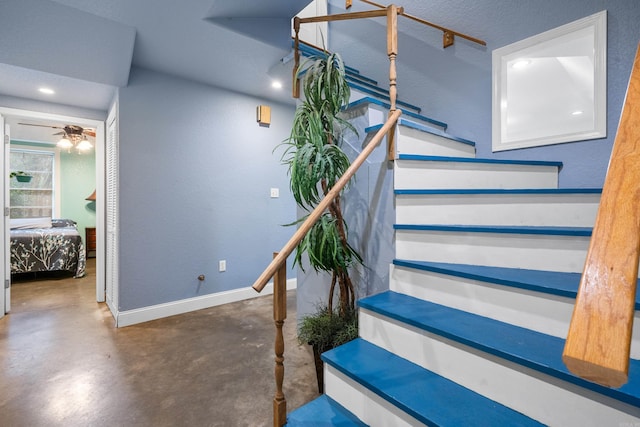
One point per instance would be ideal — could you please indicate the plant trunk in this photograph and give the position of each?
(345, 285)
(319, 368)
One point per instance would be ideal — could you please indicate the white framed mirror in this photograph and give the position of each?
(552, 87)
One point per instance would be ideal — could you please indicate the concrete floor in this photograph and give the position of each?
(62, 362)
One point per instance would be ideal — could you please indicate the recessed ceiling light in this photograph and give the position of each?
(276, 84)
(46, 90)
(577, 112)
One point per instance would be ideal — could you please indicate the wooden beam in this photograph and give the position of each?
(599, 339)
(344, 16)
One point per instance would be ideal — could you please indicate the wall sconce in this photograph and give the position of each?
(92, 197)
(263, 114)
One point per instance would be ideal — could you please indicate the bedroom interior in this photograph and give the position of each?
(51, 218)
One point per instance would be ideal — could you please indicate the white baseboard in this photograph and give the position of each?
(153, 312)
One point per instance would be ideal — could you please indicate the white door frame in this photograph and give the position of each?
(5, 289)
(100, 182)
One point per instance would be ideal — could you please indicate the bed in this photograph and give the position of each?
(43, 244)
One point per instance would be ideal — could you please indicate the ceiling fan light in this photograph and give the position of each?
(64, 143)
(84, 145)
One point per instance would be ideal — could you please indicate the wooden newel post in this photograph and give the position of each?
(392, 52)
(279, 314)
(296, 59)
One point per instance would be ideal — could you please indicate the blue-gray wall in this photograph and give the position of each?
(454, 84)
(195, 172)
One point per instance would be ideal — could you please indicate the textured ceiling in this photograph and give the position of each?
(226, 43)
(235, 44)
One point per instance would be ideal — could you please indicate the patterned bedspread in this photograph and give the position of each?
(59, 248)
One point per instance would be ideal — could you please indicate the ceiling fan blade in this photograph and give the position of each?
(89, 132)
(44, 126)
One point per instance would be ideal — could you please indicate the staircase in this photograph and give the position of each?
(488, 256)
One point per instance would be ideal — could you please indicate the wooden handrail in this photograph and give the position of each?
(344, 16)
(278, 260)
(448, 36)
(599, 340)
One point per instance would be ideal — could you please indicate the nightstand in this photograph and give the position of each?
(90, 241)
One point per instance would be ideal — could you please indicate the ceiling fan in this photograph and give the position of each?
(72, 136)
(68, 130)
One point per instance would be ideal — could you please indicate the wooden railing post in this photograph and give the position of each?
(296, 58)
(392, 52)
(279, 314)
(599, 340)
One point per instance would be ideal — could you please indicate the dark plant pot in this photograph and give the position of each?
(23, 178)
(319, 368)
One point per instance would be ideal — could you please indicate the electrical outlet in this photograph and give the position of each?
(222, 265)
(275, 193)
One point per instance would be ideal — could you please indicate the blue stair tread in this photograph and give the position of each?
(477, 160)
(356, 74)
(548, 282)
(374, 101)
(322, 412)
(534, 350)
(376, 93)
(374, 128)
(310, 51)
(426, 396)
(356, 78)
(531, 191)
(503, 229)
(427, 129)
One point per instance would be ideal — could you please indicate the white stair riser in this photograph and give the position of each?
(562, 210)
(362, 402)
(534, 252)
(536, 395)
(375, 114)
(549, 314)
(417, 174)
(413, 141)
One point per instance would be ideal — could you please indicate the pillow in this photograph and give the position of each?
(27, 223)
(63, 223)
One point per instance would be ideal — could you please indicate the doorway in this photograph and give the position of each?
(12, 117)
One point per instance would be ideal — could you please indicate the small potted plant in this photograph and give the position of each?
(20, 176)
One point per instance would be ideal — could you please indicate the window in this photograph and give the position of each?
(35, 198)
(552, 87)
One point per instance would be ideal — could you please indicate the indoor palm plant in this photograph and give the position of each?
(316, 161)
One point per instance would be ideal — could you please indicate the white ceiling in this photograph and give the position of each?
(235, 44)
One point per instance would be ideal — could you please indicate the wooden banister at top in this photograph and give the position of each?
(599, 340)
(281, 257)
(448, 36)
